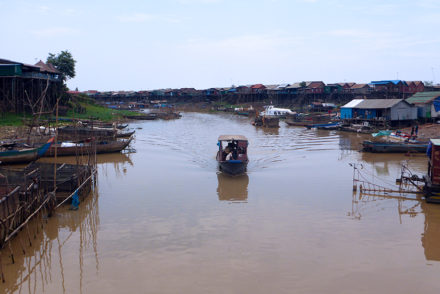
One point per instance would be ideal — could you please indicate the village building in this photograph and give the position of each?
(23, 84)
(315, 87)
(379, 109)
(414, 87)
(361, 89)
(333, 88)
(427, 103)
(295, 88)
(243, 89)
(394, 87)
(258, 89)
(271, 89)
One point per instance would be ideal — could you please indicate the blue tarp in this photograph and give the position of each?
(436, 103)
(75, 200)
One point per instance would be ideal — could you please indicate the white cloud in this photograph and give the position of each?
(244, 43)
(44, 9)
(145, 17)
(54, 32)
(199, 1)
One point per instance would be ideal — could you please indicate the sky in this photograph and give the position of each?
(145, 45)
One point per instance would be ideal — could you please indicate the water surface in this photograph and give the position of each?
(163, 220)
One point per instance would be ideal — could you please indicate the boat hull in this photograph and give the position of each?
(233, 167)
(111, 147)
(385, 147)
(24, 156)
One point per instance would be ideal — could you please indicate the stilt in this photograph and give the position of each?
(12, 253)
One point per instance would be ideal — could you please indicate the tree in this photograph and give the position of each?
(64, 62)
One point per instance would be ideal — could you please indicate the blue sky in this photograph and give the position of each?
(137, 45)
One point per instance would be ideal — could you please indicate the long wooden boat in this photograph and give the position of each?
(232, 158)
(70, 133)
(328, 126)
(86, 148)
(106, 125)
(24, 155)
(299, 123)
(394, 147)
(307, 120)
(125, 135)
(147, 116)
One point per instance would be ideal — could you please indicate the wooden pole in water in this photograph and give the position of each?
(56, 142)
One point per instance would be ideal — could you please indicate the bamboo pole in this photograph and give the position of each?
(56, 142)
(71, 195)
(27, 220)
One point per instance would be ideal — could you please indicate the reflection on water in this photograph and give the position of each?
(37, 264)
(431, 234)
(160, 227)
(269, 131)
(232, 188)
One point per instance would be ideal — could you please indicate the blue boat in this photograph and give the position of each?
(326, 126)
(25, 154)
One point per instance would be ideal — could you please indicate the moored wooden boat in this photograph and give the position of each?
(146, 116)
(327, 126)
(232, 158)
(74, 149)
(305, 120)
(125, 134)
(25, 154)
(299, 123)
(71, 133)
(394, 147)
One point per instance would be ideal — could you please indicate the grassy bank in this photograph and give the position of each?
(89, 110)
(12, 119)
(79, 109)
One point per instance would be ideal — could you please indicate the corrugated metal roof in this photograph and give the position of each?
(294, 86)
(384, 82)
(271, 87)
(282, 86)
(359, 86)
(231, 137)
(378, 103)
(423, 97)
(435, 142)
(352, 103)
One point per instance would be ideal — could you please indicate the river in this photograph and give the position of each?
(163, 220)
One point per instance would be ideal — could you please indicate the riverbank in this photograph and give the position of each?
(426, 131)
(87, 111)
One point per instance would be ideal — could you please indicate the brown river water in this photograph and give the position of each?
(163, 220)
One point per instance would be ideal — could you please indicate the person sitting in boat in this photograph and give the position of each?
(229, 156)
(227, 152)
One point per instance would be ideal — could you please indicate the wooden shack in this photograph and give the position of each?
(427, 103)
(22, 84)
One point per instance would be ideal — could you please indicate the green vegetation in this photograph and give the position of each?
(87, 109)
(78, 108)
(64, 62)
(12, 119)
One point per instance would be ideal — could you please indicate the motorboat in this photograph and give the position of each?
(275, 111)
(232, 154)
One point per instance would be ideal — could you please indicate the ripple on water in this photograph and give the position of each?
(195, 135)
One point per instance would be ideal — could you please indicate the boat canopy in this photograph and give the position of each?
(232, 137)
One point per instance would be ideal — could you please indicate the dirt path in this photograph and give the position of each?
(426, 131)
